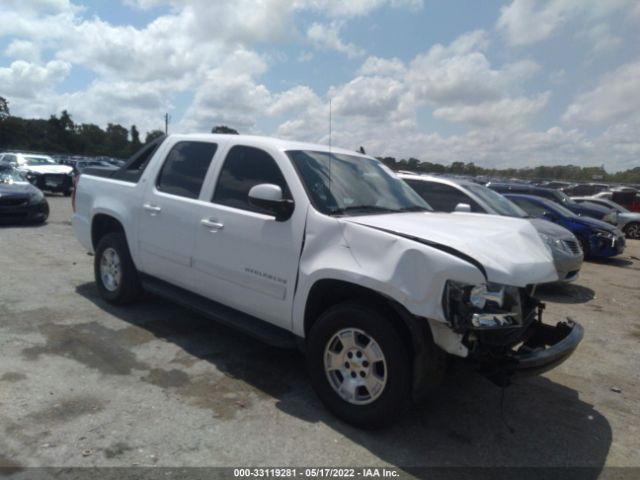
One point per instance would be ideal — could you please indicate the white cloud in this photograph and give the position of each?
(506, 110)
(392, 67)
(373, 97)
(529, 21)
(461, 73)
(327, 37)
(29, 80)
(23, 50)
(614, 98)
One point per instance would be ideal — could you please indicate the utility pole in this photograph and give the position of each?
(167, 117)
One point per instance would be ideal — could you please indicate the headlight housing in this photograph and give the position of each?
(554, 243)
(605, 234)
(483, 306)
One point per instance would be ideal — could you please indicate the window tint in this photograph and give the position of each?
(9, 159)
(184, 169)
(442, 198)
(244, 168)
(532, 208)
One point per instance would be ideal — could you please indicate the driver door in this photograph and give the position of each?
(243, 257)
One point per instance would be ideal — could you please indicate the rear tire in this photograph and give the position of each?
(115, 274)
(359, 365)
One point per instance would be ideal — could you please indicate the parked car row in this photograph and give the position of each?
(19, 199)
(41, 170)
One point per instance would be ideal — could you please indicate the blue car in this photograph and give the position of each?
(583, 209)
(598, 239)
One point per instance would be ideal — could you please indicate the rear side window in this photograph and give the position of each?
(244, 168)
(134, 168)
(442, 198)
(184, 169)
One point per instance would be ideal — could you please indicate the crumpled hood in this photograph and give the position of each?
(509, 249)
(47, 168)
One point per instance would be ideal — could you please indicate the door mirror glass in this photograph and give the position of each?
(268, 197)
(462, 207)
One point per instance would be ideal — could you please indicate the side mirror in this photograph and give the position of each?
(462, 207)
(268, 197)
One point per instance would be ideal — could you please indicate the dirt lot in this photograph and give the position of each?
(83, 383)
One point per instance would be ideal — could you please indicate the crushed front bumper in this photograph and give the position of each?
(545, 347)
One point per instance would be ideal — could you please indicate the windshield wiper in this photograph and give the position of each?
(414, 208)
(361, 209)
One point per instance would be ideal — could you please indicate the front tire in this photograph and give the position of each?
(632, 230)
(359, 365)
(115, 274)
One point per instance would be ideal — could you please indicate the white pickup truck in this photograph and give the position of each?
(326, 250)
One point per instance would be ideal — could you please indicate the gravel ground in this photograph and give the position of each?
(83, 383)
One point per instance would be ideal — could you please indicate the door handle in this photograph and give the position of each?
(153, 209)
(211, 224)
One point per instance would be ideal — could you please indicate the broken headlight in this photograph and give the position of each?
(483, 306)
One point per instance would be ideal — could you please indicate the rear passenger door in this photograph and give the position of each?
(243, 257)
(169, 214)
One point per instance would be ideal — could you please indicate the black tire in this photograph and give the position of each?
(586, 249)
(377, 323)
(632, 230)
(128, 289)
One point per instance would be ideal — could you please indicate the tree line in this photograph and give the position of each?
(59, 134)
(570, 173)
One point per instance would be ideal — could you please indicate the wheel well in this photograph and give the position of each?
(103, 224)
(326, 293)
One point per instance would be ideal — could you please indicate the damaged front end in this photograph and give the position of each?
(501, 326)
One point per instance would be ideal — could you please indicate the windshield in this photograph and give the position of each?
(566, 199)
(39, 161)
(341, 184)
(497, 202)
(558, 208)
(10, 175)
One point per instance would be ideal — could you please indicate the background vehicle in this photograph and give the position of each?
(629, 200)
(598, 239)
(448, 195)
(42, 171)
(19, 200)
(588, 209)
(628, 221)
(582, 189)
(325, 250)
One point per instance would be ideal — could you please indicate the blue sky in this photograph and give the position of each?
(499, 83)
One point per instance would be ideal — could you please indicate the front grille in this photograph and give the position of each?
(54, 179)
(572, 245)
(13, 201)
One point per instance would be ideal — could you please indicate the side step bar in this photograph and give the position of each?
(252, 326)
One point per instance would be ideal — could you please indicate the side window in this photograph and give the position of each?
(244, 168)
(532, 208)
(9, 159)
(443, 198)
(185, 167)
